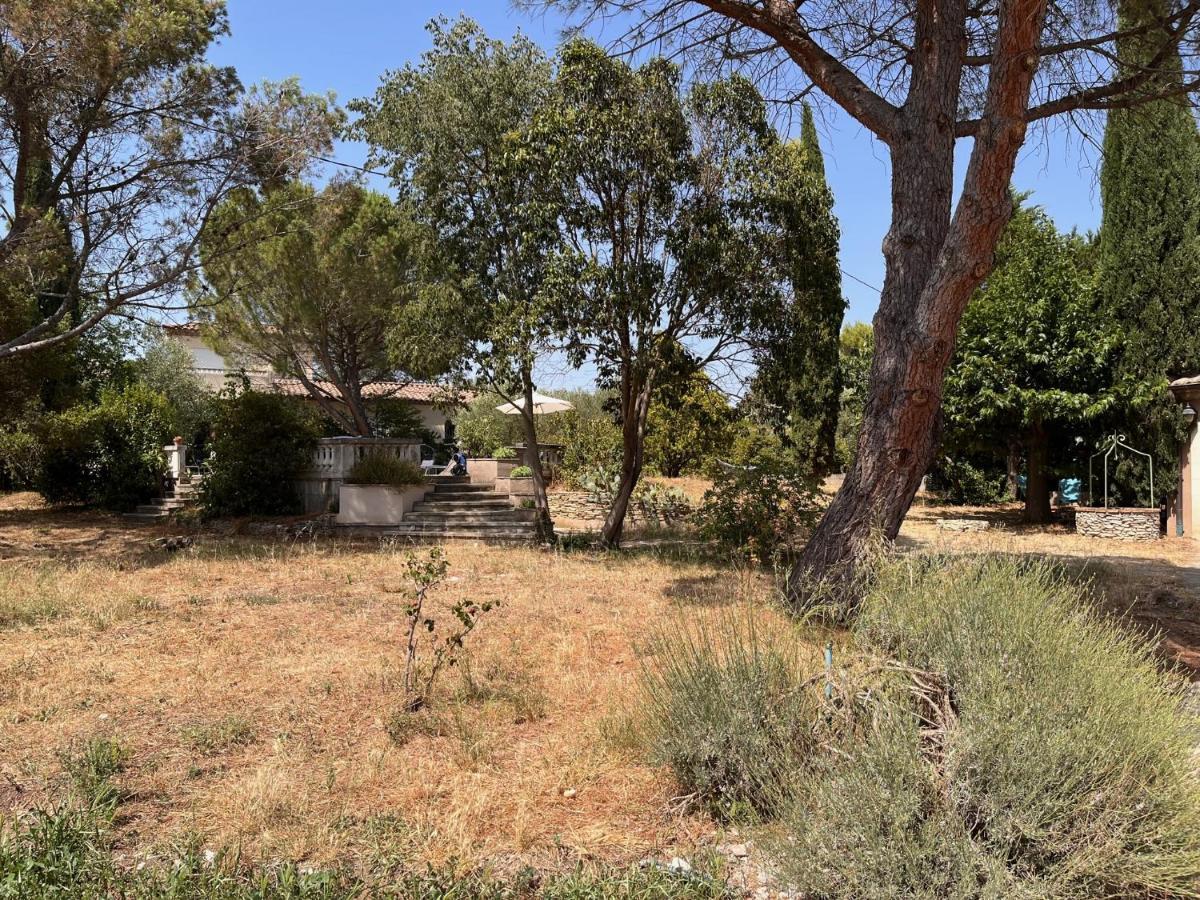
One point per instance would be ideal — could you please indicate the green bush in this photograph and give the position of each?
(962, 483)
(504, 453)
(20, 458)
(261, 443)
(397, 419)
(521, 472)
(381, 468)
(1040, 751)
(107, 455)
(481, 429)
(765, 513)
(727, 706)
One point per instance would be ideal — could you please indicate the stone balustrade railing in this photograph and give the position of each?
(333, 458)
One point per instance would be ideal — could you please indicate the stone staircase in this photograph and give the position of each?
(184, 494)
(458, 509)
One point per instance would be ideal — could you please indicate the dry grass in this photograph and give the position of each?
(256, 688)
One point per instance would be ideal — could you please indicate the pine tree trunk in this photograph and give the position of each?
(932, 266)
(635, 406)
(1037, 486)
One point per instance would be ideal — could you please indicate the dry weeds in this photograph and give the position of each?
(256, 687)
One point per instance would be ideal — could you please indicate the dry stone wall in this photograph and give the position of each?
(1122, 524)
(583, 506)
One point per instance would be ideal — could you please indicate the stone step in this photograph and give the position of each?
(485, 516)
(449, 489)
(469, 533)
(480, 503)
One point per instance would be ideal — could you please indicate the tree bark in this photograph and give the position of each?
(544, 523)
(1037, 486)
(933, 263)
(635, 407)
(1011, 466)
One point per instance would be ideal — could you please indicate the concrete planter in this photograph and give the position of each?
(485, 470)
(518, 489)
(376, 504)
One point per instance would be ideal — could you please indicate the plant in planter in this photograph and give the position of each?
(505, 453)
(380, 490)
(379, 468)
(521, 472)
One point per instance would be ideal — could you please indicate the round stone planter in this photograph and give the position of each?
(1120, 523)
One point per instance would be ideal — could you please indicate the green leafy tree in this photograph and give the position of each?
(798, 383)
(1149, 251)
(311, 283)
(688, 426)
(119, 140)
(457, 131)
(664, 227)
(1033, 367)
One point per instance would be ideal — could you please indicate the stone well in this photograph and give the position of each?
(1122, 523)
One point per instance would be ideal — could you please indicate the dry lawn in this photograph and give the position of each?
(256, 686)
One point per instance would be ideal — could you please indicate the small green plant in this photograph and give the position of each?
(380, 468)
(504, 453)
(441, 646)
(223, 734)
(521, 472)
(91, 770)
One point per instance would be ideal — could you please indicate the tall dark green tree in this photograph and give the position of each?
(1031, 375)
(798, 384)
(1150, 234)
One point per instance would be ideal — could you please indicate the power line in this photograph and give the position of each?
(860, 281)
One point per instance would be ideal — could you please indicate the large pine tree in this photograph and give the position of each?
(1150, 237)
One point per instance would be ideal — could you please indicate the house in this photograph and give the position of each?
(430, 401)
(1185, 516)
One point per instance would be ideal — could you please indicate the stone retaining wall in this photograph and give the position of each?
(583, 506)
(1118, 523)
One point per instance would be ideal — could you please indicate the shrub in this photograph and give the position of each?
(727, 706)
(521, 472)
(764, 512)
(261, 443)
(397, 419)
(963, 483)
(504, 453)
(1042, 752)
(382, 468)
(20, 458)
(108, 455)
(482, 429)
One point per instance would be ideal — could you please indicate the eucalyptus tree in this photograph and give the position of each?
(117, 141)
(665, 209)
(456, 130)
(310, 282)
(919, 77)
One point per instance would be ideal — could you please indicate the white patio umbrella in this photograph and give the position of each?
(542, 405)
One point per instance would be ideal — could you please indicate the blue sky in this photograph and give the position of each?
(347, 47)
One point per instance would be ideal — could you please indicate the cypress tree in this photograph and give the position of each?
(799, 377)
(1150, 238)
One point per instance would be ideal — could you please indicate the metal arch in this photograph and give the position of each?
(1107, 448)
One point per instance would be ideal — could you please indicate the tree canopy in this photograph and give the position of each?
(117, 140)
(1032, 373)
(311, 282)
(456, 131)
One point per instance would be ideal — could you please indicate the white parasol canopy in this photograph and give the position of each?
(542, 405)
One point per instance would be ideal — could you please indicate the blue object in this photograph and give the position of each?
(1069, 490)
